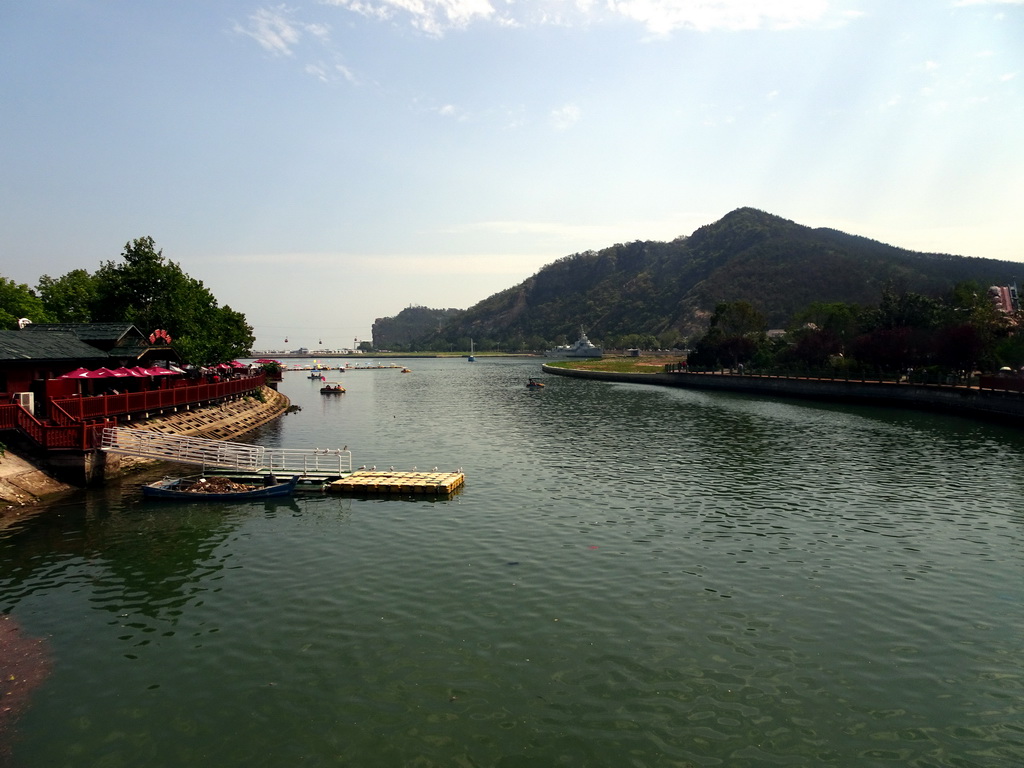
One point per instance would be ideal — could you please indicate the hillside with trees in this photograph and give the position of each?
(410, 324)
(652, 293)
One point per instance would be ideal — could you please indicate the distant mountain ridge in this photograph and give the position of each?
(652, 287)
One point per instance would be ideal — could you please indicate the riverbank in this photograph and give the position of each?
(974, 402)
(25, 481)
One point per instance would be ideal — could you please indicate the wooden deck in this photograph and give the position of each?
(384, 481)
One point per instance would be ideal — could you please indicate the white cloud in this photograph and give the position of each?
(660, 17)
(665, 16)
(276, 31)
(431, 16)
(962, 3)
(565, 117)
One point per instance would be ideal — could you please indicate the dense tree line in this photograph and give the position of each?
(144, 289)
(960, 332)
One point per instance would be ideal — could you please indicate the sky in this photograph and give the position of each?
(320, 164)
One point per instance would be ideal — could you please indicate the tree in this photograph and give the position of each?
(737, 318)
(151, 292)
(18, 301)
(736, 331)
(69, 298)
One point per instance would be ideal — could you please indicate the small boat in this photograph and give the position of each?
(532, 383)
(472, 357)
(406, 370)
(319, 376)
(332, 388)
(217, 489)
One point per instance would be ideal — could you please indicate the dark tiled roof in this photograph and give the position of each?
(94, 332)
(56, 345)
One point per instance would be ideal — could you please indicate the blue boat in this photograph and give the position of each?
(217, 489)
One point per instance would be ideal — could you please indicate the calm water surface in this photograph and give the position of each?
(631, 576)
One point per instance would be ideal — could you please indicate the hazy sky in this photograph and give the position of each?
(321, 164)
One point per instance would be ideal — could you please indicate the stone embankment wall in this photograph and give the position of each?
(224, 421)
(24, 481)
(1006, 407)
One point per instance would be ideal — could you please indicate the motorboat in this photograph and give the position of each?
(332, 388)
(533, 383)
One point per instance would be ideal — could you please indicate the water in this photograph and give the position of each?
(631, 576)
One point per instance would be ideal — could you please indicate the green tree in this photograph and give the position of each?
(735, 333)
(17, 300)
(737, 318)
(69, 298)
(151, 292)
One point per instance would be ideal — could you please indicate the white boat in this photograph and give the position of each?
(582, 348)
(472, 357)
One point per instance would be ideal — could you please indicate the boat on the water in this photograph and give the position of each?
(217, 489)
(582, 348)
(332, 388)
(533, 383)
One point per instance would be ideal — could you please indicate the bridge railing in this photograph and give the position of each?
(309, 461)
(223, 454)
(148, 444)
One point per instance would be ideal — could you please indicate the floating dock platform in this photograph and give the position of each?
(384, 481)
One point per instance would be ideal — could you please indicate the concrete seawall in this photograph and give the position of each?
(1005, 407)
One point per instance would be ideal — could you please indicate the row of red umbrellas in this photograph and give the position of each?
(107, 373)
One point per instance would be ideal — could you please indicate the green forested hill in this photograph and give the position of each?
(666, 289)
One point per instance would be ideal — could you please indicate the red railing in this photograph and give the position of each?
(75, 420)
(77, 436)
(131, 403)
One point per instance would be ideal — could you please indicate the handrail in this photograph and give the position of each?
(77, 418)
(223, 454)
(131, 403)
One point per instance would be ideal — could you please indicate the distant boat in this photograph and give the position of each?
(332, 388)
(472, 357)
(533, 383)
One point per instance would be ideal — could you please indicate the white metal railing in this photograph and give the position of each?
(308, 460)
(225, 455)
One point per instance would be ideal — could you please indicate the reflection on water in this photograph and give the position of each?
(630, 576)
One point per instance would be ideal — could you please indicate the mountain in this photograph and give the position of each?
(651, 287)
(411, 323)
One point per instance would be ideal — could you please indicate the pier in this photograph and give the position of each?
(326, 469)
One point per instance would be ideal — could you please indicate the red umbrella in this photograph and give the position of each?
(266, 361)
(78, 373)
(236, 364)
(156, 370)
(126, 372)
(100, 373)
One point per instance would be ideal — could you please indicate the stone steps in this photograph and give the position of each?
(223, 421)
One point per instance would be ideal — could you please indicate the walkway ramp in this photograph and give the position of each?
(222, 454)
